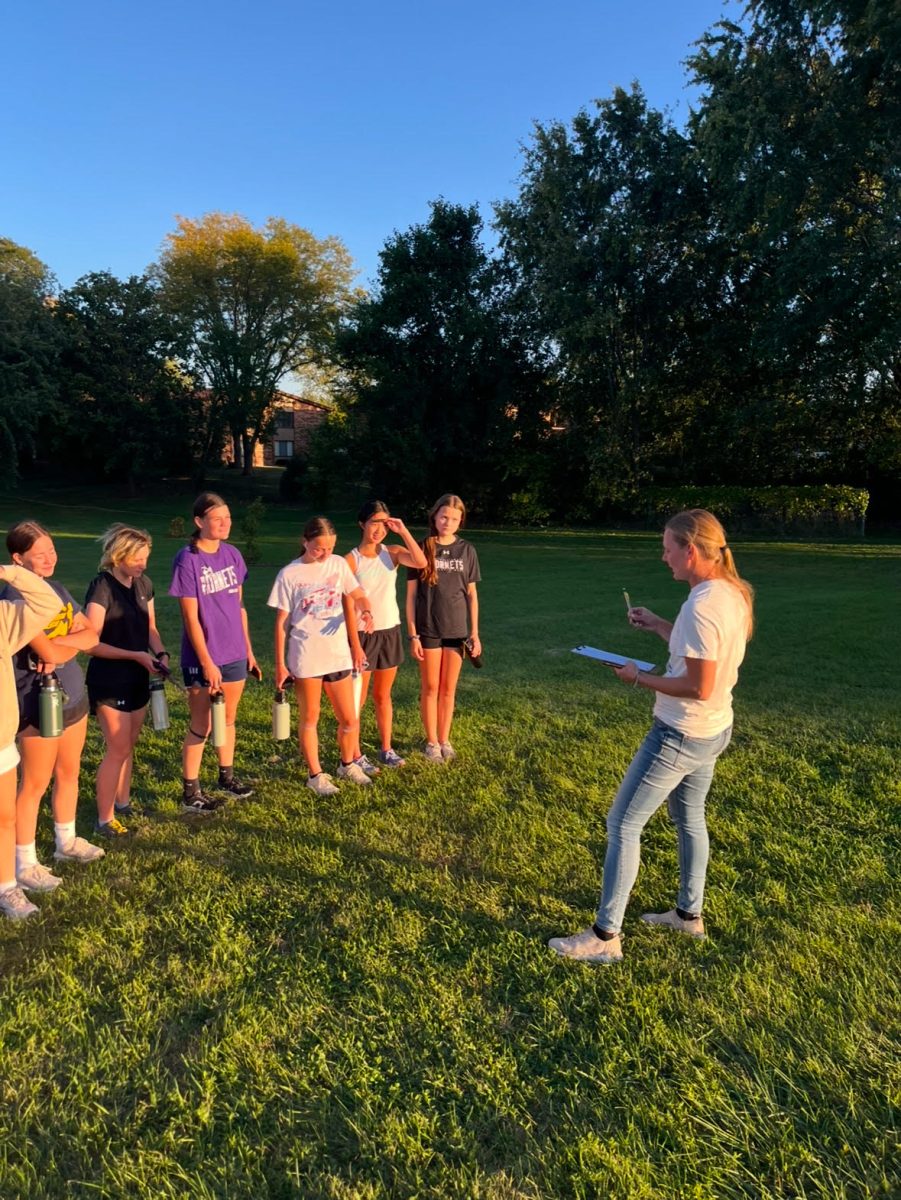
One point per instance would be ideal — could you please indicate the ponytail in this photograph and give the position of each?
(699, 528)
(429, 573)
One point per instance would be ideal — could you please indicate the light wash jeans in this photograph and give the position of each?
(669, 766)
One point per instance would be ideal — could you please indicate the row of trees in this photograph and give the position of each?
(714, 304)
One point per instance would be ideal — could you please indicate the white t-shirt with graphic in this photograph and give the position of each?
(712, 624)
(311, 595)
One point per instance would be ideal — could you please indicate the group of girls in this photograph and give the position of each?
(337, 625)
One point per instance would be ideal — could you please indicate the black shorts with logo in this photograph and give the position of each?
(384, 648)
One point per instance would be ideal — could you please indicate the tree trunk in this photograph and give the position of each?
(247, 444)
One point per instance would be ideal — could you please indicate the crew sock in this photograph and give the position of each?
(8, 887)
(226, 774)
(192, 788)
(64, 832)
(26, 856)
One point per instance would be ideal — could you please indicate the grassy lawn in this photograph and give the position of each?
(354, 998)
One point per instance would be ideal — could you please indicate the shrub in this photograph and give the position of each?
(291, 484)
(250, 530)
(177, 527)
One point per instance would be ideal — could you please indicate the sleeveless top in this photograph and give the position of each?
(378, 579)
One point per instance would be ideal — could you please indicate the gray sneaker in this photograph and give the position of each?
(448, 753)
(432, 752)
(671, 920)
(588, 947)
(78, 850)
(323, 785)
(37, 878)
(367, 765)
(13, 904)
(355, 773)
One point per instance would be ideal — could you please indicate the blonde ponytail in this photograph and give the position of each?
(699, 528)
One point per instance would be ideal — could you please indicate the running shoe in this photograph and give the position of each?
(355, 773)
(390, 758)
(671, 920)
(199, 805)
(15, 905)
(448, 753)
(78, 850)
(587, 947)
(37, 878)
(432, 752)
(323, 785)
(111, 829)
(235, 788)
(366, 765)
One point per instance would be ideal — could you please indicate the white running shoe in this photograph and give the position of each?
(355, 773)
(432, 752)
(13, 904)
(588, 947)
(323, 785)
(37, 878)
(671, 920)
(448, 753)
(78, 850)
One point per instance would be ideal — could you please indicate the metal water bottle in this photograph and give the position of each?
(50, 706)
(159, 705)
(217, 717)
(281, 716)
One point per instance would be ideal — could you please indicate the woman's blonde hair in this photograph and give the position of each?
(121, 542)
(699, 528)
(429, 573)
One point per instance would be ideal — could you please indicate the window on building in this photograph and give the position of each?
(284, 418)
(284, 449)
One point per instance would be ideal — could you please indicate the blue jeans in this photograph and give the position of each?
(669, 766)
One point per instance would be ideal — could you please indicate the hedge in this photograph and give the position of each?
(830, 507)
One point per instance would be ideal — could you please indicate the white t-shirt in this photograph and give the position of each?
(712, 624)
(378, 579)
(311, 594)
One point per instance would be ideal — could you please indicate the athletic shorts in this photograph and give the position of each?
(31, 719)
(434, 643)
(131, 700)
(233, 672)
(331, 677)
(384, 648)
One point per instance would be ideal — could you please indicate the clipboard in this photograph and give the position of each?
(611, 660)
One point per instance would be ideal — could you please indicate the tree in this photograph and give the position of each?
(126, 411)
(253, 305)
(603, 242)
(439, 385)
(28, 350)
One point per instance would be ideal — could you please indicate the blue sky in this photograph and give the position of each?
(345, 118)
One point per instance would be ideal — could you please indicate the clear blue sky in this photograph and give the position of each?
(345, 117)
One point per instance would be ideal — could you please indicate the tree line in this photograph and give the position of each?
(714, 304)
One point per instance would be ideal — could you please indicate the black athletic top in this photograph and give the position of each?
(442, 611)
(126, 626)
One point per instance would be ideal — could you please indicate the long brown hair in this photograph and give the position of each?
(23, 535)
(429, 573)
(699, 528)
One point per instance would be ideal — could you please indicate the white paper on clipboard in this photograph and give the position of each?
(612, 660)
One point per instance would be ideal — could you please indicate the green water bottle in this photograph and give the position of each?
(217, 718)
(50, 706)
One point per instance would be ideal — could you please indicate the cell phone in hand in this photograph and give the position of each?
(256, 673)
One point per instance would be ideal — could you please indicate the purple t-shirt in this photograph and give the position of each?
(214, 580)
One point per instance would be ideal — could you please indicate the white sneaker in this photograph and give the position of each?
(588, 947)
(448, 752)
(671, 920)
(14, 904)
(323, 785)
(355, 773)
(367, 765)
(78, 850)
(37, 878)
(432, 752)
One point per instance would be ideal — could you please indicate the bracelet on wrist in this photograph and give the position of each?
(414, 637)
(636, 679)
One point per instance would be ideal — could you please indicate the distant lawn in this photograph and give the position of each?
(354, 998)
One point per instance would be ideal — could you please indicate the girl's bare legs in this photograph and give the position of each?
(451, 662)
(38, 757)
(121, 731)
(232, 693)
(8, 828)
(430, 679)
(309, 699)
(341, 696)
(364, 691)
(384, 709)
(197, 731)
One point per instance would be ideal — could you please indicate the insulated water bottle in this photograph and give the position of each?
(281, 716)
(159, 705)
(50, 706)
(217, 714)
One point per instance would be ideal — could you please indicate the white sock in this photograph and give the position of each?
(8, 887)
(26, 856)
(65, 833)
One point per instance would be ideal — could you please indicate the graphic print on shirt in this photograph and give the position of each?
(212, 581)
(449, 564)
(322, 602)
(61, 625)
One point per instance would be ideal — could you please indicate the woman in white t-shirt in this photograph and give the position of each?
(375, 566)
(692, 727)
(317, 644)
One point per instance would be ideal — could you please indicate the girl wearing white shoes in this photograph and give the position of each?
(20, 620)
(319, 604)
(51, 652)
(375, 566)
(692, 727)
(442, 612)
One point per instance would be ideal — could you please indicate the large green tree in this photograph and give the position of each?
(126, 411)
(28, 351)
(441, 395)
(254, 304)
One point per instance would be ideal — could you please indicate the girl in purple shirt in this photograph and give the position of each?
(216, 654)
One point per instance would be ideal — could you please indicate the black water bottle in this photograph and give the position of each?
(50, 706)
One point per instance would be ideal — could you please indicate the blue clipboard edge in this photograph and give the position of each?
(613, 660)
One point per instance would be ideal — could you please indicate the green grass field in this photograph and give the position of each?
(354, 998)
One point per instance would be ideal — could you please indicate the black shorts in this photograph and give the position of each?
(384, 648)
(435, 643)
(130, 700)
(31, 719)
(233, 672)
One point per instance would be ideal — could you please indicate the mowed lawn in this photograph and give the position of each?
(354, 998)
